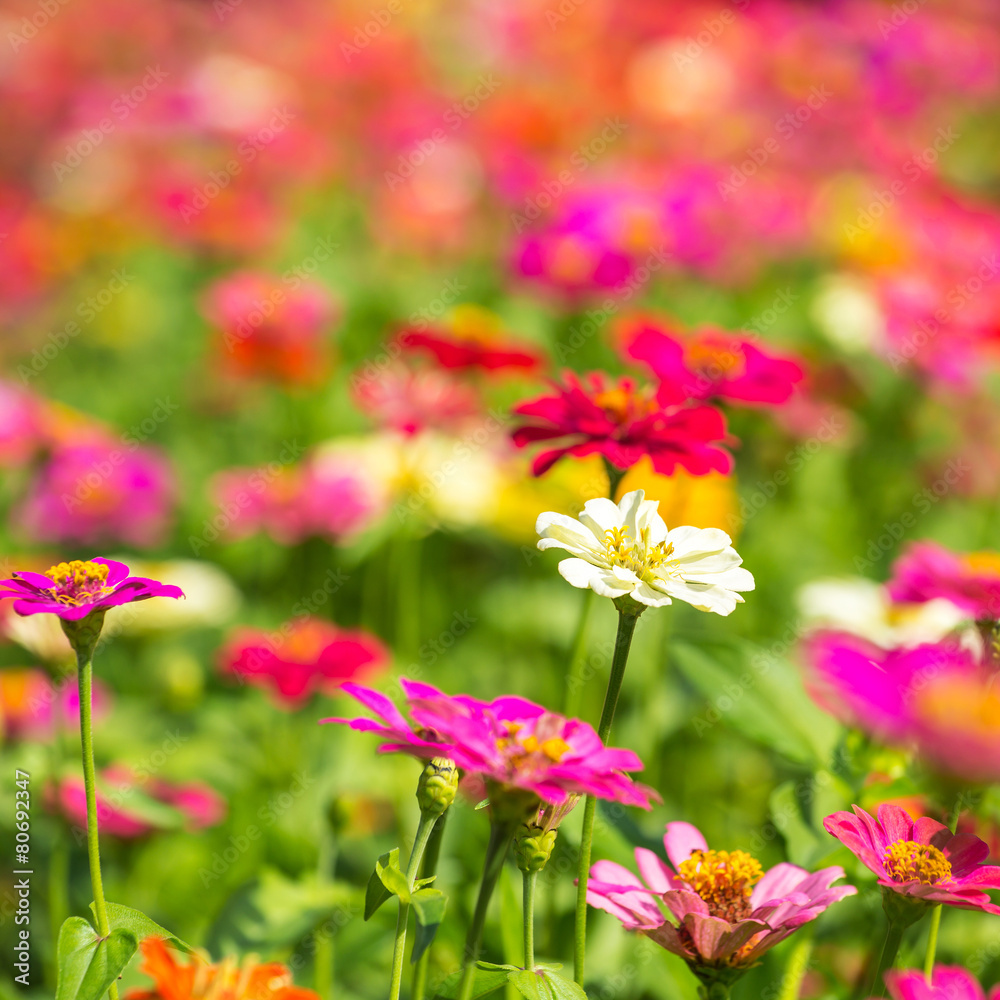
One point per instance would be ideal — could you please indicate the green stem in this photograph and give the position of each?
(623, 642)
(932, 937)
(496, 850)
(528, 906)
(798, 963)
(323, 952)
(427, 870)
(424, 827)
(893, 937)
(575, 679)
(86, 671)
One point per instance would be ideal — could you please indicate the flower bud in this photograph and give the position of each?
(533, 847)
(437, 786)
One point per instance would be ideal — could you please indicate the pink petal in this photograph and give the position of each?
(681, 839)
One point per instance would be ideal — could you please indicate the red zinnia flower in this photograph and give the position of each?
(622, 423)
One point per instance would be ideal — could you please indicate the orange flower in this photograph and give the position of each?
(201, 980)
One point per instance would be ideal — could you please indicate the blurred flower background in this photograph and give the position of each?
(310, 309)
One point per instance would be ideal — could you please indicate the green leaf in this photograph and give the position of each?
(395, 881)
(87, 963)
(377, 893)
(540, 984)
(488, 978)
(428, 907)
(136, 922)
(421, 882)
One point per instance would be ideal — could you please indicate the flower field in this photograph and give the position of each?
(500, 499)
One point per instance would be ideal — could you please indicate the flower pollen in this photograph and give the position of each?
(908, 861)
(723, 879)
(640, 557)
(519, 749)
(78, 582)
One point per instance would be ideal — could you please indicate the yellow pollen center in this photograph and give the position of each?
(639, 556)
(714, 359)
(723, 879)
(77, 581)
(520, 748)
(983, 563)
(908, 861)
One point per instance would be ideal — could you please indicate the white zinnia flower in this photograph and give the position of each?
(625, 548)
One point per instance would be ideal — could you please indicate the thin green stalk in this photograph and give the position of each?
(496, 850)
(798, 963)
(427, 870)
(893, 937)
(323, 952)
(932, 938)
(574, 678)
(424, 827)
(623, 642)
(528, 906)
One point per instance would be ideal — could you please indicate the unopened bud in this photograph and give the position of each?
(533, 847)
(437, 786)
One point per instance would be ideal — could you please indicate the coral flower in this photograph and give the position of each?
(710, 364)
(948, 982)
(76, 589)
(919, 859)
(472, 339)
(300, 658)
(622, 423)
(937, 697)
(509, 742)
(199, 979)
(727, 910)
(926, 571)
(626, 549)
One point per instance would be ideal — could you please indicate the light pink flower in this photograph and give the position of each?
(920, 859)
(32, 707)
(725, 910)
(510, 742)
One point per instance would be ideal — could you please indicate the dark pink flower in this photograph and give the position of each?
(509, 742)
(920, 859)
(452, 350)
(971, 581)
(726, 911)
(948, 982)
(622, 423)
(100, 492)
(75, 589)
(300, 658)
(710, 363)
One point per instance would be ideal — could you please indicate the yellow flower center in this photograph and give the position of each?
(639, 556)
(519, 748)
(623, 404)
(908, 861)
(78, 582)
(982, 563)
(714, 359)
(723, 879)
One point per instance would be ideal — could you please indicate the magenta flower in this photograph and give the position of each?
(622, 423)
(948, 982)
(726, 911)
(33, 708)
(76, 589)
(509, 742)
(971, 581)
(710, 364)
(919, 859)
(300, 658)
(937, 698)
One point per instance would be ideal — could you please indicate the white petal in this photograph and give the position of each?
(702, 596)
(695, 565)
(736, 578)
(600, 515)
(578, 572)
(645, 594)
(649, 519)
(686, 539)
(629, 505)
(560, 531)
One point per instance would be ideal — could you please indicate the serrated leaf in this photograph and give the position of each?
(87, 963)
(135, 921)
(377, 893)
(540, 984)
(488, 978)
(428, 907)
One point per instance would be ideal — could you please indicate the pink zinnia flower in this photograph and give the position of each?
(622, 423)
(20, 424)
(33, 708)
(919, 859)
(453, 350)
(709, 364)
(199, 805)
(300, 658)
(948, 982)
(726, 911)
(938, 698)
(75, 589)
(98, 493)
(971, 581)
(509, 742)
